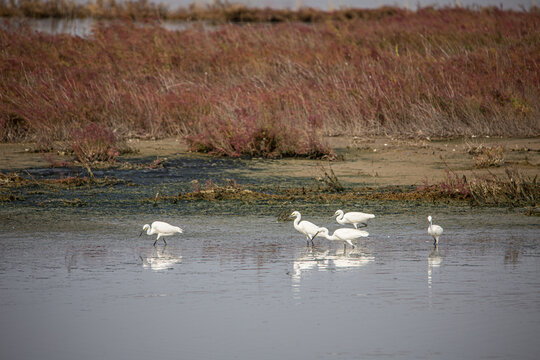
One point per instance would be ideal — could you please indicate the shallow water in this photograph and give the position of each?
(78, 282)
(232, 286)
(84, 27)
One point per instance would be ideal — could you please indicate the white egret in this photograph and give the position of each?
(354, 218)
(305, 227)
(434, 230)
(161, 229)
(343, 234)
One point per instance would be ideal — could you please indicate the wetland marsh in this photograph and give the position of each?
(226, 129)
(76, 281)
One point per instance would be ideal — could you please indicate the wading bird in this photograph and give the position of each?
(305, 227)
(354, 218)
(161, 229)
(344, 234)
(434, 230)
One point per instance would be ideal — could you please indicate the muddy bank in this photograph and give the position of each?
(365, 161)
(383, 173)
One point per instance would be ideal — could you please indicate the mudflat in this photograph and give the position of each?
(368, 161)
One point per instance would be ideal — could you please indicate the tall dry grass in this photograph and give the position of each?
(434, 72)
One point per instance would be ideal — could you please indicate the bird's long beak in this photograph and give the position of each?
(141, 233)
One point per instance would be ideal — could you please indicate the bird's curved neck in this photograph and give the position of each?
(340, 216)
(297, 220)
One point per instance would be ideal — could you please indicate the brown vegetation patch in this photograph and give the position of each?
(214, 192)
(487, 156)
(15, 180)
(10, 197)
(515, 190)
(94, 142)
(490, 190)
(307, 194)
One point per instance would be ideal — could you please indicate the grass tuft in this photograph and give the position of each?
(95, 142)
(256, 136)
(488, 156)
(514, 189)
(329, 179)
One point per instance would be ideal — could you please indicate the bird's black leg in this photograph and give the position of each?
(164, 241)
(313, 237)
(155, 243)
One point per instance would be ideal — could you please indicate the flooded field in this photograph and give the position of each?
(77, 281)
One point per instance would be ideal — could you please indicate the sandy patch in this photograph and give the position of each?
(384, 161)
(369, 161)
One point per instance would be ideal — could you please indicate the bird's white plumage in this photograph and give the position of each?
(307, 228)
(434, 230)
(344, 234)
(161, 229)
(354, 218)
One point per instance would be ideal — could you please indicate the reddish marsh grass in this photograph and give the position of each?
(249, 133)
(513, 190)
(94, 142)
(274, 90)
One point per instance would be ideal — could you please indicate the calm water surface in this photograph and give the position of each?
(247, 287)
(84, 27)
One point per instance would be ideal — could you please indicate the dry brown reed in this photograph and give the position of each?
(329, 179)
(488, 156)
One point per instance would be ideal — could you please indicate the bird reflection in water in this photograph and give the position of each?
(434, 261)
(161, 259)
(314, 259)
